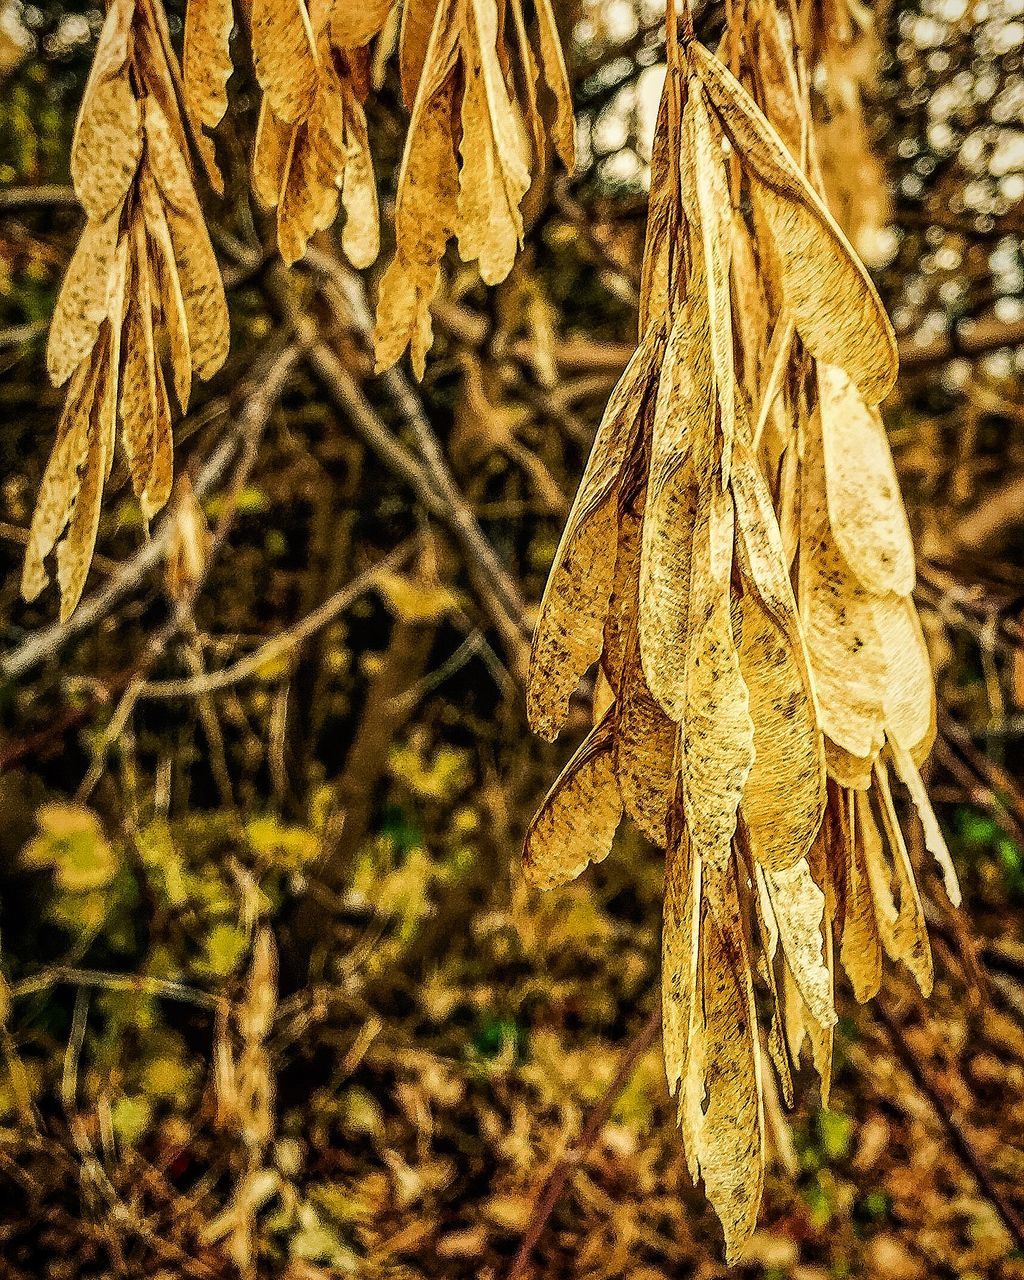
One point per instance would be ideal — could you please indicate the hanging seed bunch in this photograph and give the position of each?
(312, 150)
(475, 130)
(143, 280)
(739, 564)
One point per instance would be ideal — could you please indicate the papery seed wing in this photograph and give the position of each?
(206, 60)
(898, 910)
(934, 840)
(418, 20)
(309, 198)
(645, 749)
(683, 414)
(868, 518)
(680, 935)
(201, 287)
(717, 732)
(553, 61)
(847, 657)
(138, 401)
(731, 1133)
(284, 55)
(570, 627)
(768, 930)
(58, 490)
(784, 795)
(161, 473)
(82, 302)
(270, 156)
(580, 814)
(353, 25)
(662, 241)
(495, 172)
(836, 309)
(360, 237)
(853, 772)
(426, 208)
(74, 553)
(861, 949)
(712, 208)
(799, 906)
(107, 142)
(909, 686)
(172, 303)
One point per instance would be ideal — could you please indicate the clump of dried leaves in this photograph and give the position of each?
(739, 563)
(144, 285)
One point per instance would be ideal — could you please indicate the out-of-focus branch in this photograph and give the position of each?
(285, 641)
(980, 338)
(431, 479)
(554, 1184)
(46, 196)
(988, 523)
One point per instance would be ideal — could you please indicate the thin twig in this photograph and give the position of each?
(961, 1144)
(47, 643)
(67, 975)
(554, 1184)
(286, 641)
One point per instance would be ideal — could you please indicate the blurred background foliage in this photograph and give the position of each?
(274, 997)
